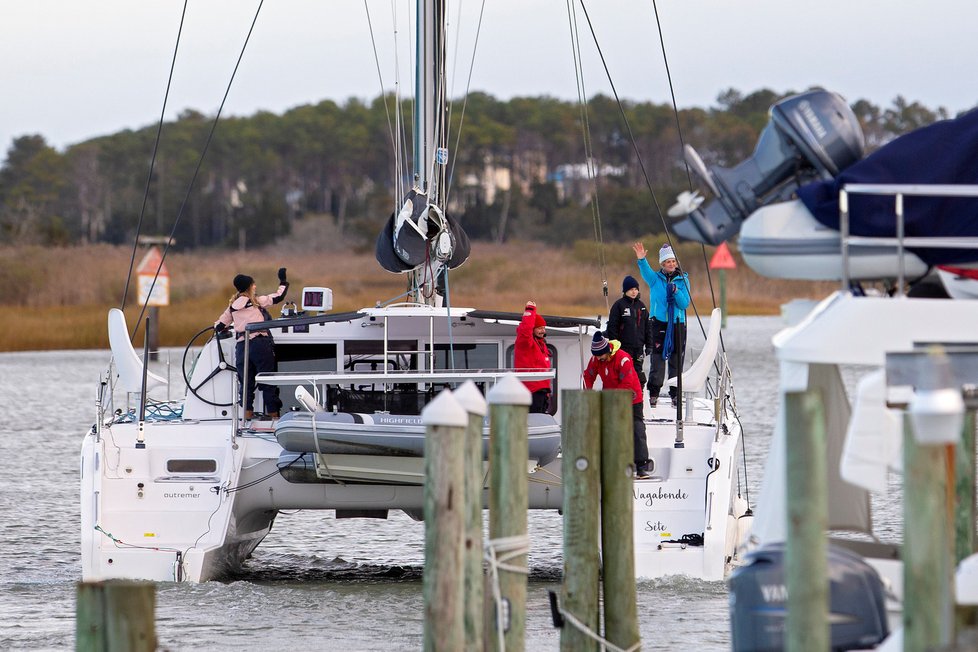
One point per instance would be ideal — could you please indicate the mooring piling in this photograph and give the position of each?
(581, 478)
(444, 515)
(507, 548)
(470, 398)
(617, 539)
(806, 555)
(115, 616)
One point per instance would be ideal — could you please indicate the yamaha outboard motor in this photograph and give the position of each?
(759, 601)
(811, 136)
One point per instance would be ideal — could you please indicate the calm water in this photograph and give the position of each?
(315, 583)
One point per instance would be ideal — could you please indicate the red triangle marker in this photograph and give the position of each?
(722, 258)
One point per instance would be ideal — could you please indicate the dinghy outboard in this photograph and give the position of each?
(811, 136)
(759, 601)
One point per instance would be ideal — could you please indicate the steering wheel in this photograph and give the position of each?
(222, 365)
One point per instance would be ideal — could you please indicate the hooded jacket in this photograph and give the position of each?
(616, 373)
(531, 352)
(242, 312)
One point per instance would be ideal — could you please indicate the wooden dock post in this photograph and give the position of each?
(927, 588)
(581, 479)
(509, 404)
(470, 398)
(444, 518)
(965, 512)
(806, 557)
(617, 522)
(964, 488)
(115, 616)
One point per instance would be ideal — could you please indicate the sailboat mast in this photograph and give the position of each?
(430, 101)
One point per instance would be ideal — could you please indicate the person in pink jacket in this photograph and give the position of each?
(248, 307)
(617, 371)
(531, 352)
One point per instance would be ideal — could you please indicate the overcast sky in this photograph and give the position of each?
(71, 69)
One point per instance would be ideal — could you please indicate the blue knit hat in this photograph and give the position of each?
(628, 284)
(600, 344)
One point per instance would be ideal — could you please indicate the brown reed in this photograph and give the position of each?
(60, 296)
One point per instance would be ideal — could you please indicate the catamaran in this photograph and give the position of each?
(186, 490)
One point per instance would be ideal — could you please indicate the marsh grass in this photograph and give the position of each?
(58, 298)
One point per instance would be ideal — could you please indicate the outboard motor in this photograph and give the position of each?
(811, 136)
(759, 602)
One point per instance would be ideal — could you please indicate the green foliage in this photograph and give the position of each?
(518, 170)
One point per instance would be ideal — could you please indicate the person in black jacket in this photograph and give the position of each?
(629, 323)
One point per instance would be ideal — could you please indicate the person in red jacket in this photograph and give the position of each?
(531, 352)
(617, 371)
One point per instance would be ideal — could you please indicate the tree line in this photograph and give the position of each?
(516, 173)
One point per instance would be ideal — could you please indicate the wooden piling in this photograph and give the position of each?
(509, 402)
(444, 518)
(806, 557)
(617, 526)
(964, 487)
(927, 549)
(115, 616)
(469, 396)
(581, 479)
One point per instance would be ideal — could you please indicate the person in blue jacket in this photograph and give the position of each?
(668, 300)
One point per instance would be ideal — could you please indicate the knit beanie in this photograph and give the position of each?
(539, 321)
(600, 344)
(242, 282)
(666, 253)
(628, 284)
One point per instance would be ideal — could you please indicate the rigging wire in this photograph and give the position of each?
(200, 161)
(682, 143)
(588, 148)
(638, 154)
(465, 103)
(383, 95)
(152, 162)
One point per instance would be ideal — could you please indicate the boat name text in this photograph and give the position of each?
(181, 494)
(649, 497)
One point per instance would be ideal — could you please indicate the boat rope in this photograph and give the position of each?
(604, 643)
(257, 481)
(152, 161)
(498, 552)
(119, 543)
(200, 162)
(588, 149)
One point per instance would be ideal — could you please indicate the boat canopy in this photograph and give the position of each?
(941, 153)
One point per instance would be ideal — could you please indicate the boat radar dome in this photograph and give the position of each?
(810, 137)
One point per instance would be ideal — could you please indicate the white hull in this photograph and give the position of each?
(202, 492)
(685, 498)
(784, 241)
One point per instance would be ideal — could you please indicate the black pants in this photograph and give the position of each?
(261, 358)
(641, 445)
(540, 402)
(638, 360)
(657, 368)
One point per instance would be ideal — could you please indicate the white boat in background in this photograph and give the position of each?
(186, 490)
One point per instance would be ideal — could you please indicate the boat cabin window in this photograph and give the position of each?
(467, 356)
(302, 357)
(191, 466)
(510, 351)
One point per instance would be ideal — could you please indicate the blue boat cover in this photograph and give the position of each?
(945, 152)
